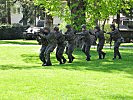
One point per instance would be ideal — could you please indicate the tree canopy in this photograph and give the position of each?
(78, 12)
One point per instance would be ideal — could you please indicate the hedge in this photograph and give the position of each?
(10, 32)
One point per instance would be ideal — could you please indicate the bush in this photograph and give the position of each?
(14, 31)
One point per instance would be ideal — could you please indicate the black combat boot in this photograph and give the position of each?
(88, 58)
(70, 61)
(100, 56)
(73, 58)
(61, 62)
(48, 64)
(114, 57)
(120, 57)
(104, 54)
(64, 60)
(44, 62)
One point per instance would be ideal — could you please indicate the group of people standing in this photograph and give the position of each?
(56, 39)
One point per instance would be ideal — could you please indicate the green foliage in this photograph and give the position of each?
(94, 9)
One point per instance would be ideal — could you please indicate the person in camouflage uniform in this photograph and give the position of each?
(70, 38)
(116, 36)
(44, 44)
(60, 45)
(101, 40)
(85, 36)
(51, 39)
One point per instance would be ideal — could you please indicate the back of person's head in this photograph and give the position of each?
(83, 26)
(46, 29)
(98, 28)
(112, 26)
(68, 26)
(56, 28)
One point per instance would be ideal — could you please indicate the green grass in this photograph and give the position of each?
(23, 78)
(123, 44)
(34, 42)
(20, 42)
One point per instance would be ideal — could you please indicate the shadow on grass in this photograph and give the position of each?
(106, 65)
(30, 58)
(17, 42)
(19, 67)
(120, 97)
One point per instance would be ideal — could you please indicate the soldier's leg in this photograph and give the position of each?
(87, 52)
(118, 53)
(83, 48)
(60, 54)
(57, 54)
(99, 51)
(103, 53)
(70, 51)
(47, 53)
(115, 50)
(61, 51)
(66, 49)
(41, 55)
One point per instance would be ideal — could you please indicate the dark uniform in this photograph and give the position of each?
(116, 36)
(51, 39)
(86, 42)
(60, 45)
(70, 37)
(101, 40)
(42, 50)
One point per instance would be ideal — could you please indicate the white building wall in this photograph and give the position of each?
(15, 18)
(56, 21)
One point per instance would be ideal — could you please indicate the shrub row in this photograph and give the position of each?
(10, 32)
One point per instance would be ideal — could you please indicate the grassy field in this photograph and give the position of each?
(19, 42)
(23, 78)
(123, 44)
(34, 42)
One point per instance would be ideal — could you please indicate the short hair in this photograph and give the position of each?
(56, 28)
(83, 26)
(112, 25)
(46, 28)
(97, 27)
(68, 26)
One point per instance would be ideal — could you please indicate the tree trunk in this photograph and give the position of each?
(49, 21)
(24, 20)
(9, 12)
(118, 20)
(103, 24)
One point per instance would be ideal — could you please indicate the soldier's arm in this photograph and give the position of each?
(91, 33)
(113, 32)
(68, 35)
(42, 35)
(79, 33)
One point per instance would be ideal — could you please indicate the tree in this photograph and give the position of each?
(78, 12)
(5, 13)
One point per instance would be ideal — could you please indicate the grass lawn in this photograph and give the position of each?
(123, 44)
(20, 42)
(23, 78)
(34, 42)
